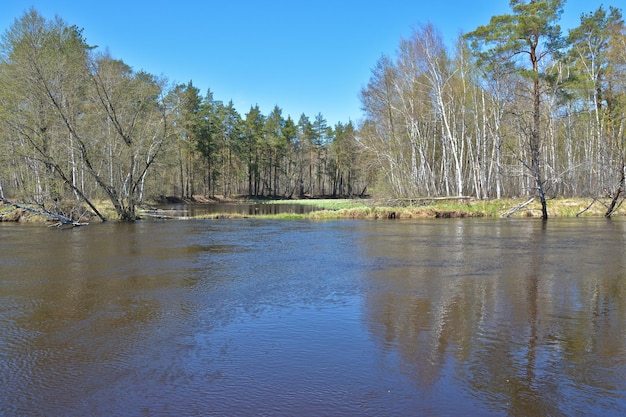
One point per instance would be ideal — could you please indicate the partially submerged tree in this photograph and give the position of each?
(525, 40)
(132, 130)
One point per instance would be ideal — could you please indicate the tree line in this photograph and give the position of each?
(516, 108)
(77, 125)
(220, 152)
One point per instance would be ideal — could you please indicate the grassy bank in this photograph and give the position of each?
(389, 209)
(466, 208)
(436, 208)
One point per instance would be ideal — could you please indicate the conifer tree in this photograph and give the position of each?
(522, 41)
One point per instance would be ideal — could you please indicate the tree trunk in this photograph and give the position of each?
(534, 134)
(617, 193)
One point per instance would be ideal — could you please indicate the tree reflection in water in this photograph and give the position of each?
(522, 318)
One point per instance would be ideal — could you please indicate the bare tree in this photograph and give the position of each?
(531, 31)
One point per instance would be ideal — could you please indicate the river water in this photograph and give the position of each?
(244, 209)
(482, 317)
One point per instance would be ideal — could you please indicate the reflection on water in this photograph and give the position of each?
(246, 209)
(529, 318)
(259, 317)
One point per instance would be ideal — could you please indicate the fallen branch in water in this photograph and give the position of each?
(62, 220)
(157, 216)
(517, 208)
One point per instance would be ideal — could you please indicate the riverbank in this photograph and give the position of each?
(417, 208)
(423, 208)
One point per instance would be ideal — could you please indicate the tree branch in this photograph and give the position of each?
(62, 220)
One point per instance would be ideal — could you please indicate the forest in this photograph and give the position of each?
(515, 108)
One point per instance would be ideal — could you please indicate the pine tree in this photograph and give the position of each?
(521, 41)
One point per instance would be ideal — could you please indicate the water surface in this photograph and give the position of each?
(263, 317)
(246, 209)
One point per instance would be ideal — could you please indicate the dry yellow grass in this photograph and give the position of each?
(373, 209)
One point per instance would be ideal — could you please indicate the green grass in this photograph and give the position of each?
(284, 216)
(325, 204)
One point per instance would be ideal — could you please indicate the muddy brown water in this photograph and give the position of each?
(247, 317)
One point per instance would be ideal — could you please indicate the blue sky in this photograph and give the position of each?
(304, 56)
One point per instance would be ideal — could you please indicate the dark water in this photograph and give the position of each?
(341, 318)
(247, 209)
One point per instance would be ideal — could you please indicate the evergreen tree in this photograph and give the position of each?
(525, 39)
(252, 137)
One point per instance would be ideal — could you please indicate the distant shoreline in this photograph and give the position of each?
(391, 209)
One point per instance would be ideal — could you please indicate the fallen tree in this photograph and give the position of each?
(517, 208)
(61, 219)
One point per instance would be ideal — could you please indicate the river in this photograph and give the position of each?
(484, 317)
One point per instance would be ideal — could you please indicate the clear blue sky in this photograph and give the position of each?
(304, 56)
